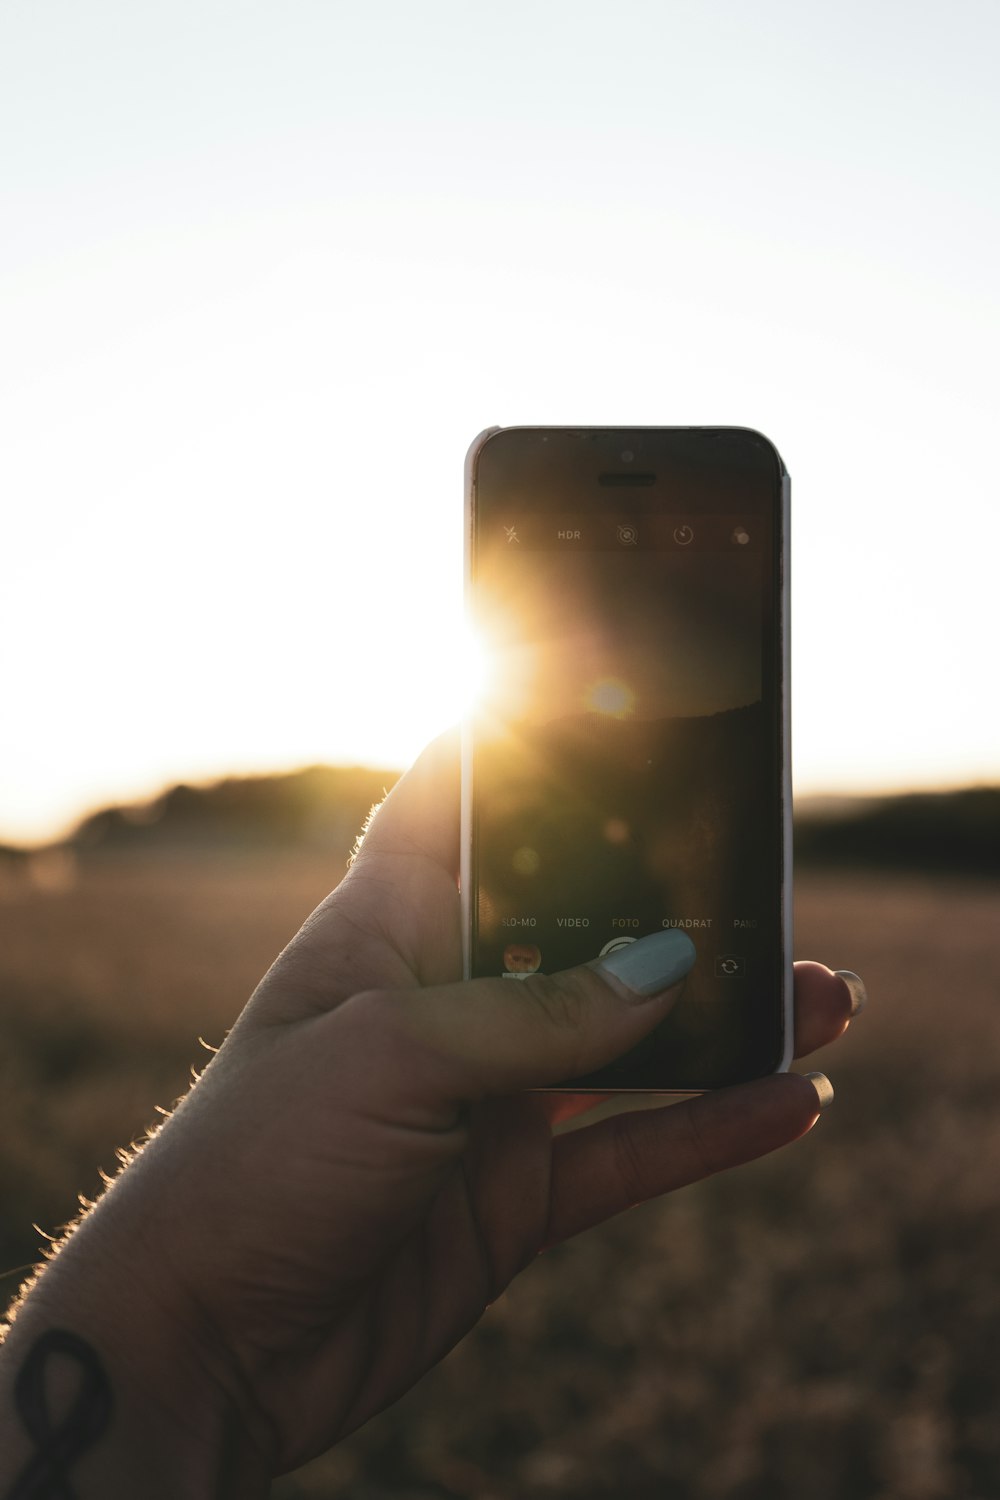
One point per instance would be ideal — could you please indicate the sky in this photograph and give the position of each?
(267, 267)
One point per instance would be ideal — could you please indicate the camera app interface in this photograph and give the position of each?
(626, 751)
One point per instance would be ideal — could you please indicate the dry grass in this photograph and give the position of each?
(821, 1324)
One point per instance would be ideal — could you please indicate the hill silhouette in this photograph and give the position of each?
(321, 807)
(325, 807)
(943, 832)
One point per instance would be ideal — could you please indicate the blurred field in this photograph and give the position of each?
(822, 1324)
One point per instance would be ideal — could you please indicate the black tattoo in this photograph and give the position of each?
(47, 1474)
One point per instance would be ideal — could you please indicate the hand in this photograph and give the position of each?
(356, 1176)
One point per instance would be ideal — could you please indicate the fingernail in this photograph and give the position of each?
(856, 985)
(652, 964)
(823, 1087)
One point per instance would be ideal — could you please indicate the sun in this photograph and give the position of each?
(477, 668)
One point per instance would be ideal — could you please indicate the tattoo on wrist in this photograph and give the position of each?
(58, 1445)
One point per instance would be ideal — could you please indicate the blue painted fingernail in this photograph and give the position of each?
(652, 964)
(856, 985)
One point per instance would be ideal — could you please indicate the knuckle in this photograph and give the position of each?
(566, 999)
(629, 1159)
(381, 1010)
(705, 1162)
(379, 1034)
(369, 1026)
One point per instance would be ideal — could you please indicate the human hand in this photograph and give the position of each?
(358, 1173)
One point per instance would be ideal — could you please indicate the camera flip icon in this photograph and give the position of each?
(730, 966)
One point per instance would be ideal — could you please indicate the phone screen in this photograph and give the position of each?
(627, 756)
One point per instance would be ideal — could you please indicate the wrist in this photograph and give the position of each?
(103, 1388)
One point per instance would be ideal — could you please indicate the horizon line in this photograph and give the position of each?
(13, 843)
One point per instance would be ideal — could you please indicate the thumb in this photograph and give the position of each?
(496, 1037)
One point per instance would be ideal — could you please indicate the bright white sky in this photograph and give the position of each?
(267, 266)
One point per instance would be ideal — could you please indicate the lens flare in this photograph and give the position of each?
(610, 696)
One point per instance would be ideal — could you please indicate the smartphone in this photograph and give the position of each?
(626, 765)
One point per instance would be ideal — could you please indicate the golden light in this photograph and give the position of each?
(431, 675)
(439, 679)
(610, 696)
(477, 666)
